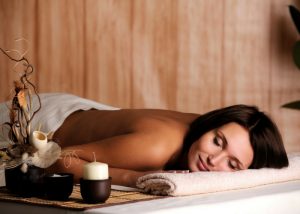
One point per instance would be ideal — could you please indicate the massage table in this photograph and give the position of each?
(275, 198)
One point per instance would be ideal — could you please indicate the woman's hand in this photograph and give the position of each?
(130, 177)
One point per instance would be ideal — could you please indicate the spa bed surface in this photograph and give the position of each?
(274, 198)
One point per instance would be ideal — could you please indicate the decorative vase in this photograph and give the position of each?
(27, 184)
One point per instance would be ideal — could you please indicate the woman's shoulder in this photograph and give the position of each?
(159, 120)
(163, 130)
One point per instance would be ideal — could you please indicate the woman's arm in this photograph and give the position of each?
(74, 165)
(125, 177)
(138, 151)
(128, 156)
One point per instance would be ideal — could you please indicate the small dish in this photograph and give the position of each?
(58, 186)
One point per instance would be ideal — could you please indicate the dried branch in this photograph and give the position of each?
(21, 150)
(22, 111)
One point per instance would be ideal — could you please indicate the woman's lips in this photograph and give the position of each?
(201, 166)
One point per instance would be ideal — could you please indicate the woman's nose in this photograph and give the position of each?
(215, 160)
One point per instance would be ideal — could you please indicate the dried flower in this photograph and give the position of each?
(18, 86)
(12, 115)
(21, 95)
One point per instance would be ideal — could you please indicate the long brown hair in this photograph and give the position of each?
(265, 137)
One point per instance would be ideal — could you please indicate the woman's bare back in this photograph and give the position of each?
(131, 141)
(88, 126)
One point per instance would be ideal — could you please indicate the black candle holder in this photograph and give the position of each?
(95, 191)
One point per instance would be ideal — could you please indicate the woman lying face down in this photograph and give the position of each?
(134, 142)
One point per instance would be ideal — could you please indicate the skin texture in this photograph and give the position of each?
(134, 142)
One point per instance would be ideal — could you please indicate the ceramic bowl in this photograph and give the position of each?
(29, 184)
(95, 191)
(58, 186)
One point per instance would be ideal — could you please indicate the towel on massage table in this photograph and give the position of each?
(179, 184)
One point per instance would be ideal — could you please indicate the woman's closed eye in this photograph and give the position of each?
(233, 165)
(218, 141)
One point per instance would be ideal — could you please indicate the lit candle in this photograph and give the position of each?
(95, 171)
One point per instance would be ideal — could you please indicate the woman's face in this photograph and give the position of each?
(226, 148)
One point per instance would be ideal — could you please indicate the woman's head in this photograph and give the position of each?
(236, 137)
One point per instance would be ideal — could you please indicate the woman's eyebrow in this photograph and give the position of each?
(225, 144)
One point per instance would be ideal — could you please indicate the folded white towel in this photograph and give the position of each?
(179, 184)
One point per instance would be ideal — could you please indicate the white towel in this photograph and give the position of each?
(56, 107)
(179, 184)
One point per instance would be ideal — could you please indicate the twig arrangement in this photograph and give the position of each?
(22, 149)
(22, 112)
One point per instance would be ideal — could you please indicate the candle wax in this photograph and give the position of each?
(95, 171)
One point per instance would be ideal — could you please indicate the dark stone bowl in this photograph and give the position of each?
(29, 184)
(58, 186)
(95, 191)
